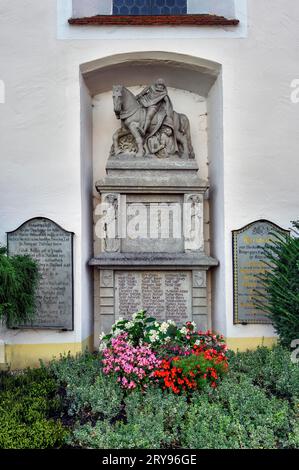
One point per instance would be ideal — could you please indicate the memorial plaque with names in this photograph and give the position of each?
(248, 263)
(52, 248)
(166, 295)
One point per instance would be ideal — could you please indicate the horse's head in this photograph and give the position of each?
(117, 99)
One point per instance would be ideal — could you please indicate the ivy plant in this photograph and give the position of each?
(18, 281)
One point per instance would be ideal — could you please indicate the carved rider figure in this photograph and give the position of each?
(155, 100)
(150, 120)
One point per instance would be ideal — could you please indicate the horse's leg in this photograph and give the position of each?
(185, 126)
(134, 129)
(121, 132)
(189, 141)
(182, 139)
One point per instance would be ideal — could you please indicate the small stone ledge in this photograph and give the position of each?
(155, 184)
(127, 162)
(154, 20)
(176, 261)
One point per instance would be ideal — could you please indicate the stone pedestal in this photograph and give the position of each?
(159, 264)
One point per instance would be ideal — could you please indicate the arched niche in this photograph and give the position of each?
(181, 72)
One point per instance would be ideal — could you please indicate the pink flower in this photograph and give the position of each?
(133, 366)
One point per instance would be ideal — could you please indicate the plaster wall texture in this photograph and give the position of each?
(213, 7)
(91, 8)
(40, 162)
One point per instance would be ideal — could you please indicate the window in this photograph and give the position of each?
(149, 7)
(154, 12)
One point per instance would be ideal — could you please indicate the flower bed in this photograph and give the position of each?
(72, 402)
(143, 351)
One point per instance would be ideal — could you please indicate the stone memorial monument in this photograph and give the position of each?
(249, 262)
(151, 216)
(52, 248)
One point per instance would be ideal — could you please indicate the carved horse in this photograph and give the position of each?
(132, 116)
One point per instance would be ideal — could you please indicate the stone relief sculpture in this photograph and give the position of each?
(193, 218)
(111, 240)
(149, 124)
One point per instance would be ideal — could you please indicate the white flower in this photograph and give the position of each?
(157, 324)
(184, 330)
(129, 325)
(171, 322)
(164, 327)
(102, 346)
(193, 324)
(167, 339)
(197, 342)
(117, 325)
(135, 315)
(117, 332)
(153, 336)
(102, 335)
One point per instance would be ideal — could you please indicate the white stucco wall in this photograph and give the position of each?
(91, 8)
(40, 162)
(214, 7)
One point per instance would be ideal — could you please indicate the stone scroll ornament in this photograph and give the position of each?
(149, 124)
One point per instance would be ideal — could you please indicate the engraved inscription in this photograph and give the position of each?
(51, 247)
(165, 295)
(249, 263)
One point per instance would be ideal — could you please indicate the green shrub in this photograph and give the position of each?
(142, 435)
(153, 421)
(165, 409)
(18, 280)
(282, 286)
(239, 415)
(252, 407)
(73, 370)
(209, 426)
(270, 369)
(28, 409)
(88, 391)
(103, 398)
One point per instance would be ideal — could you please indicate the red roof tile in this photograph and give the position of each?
(154, 20)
